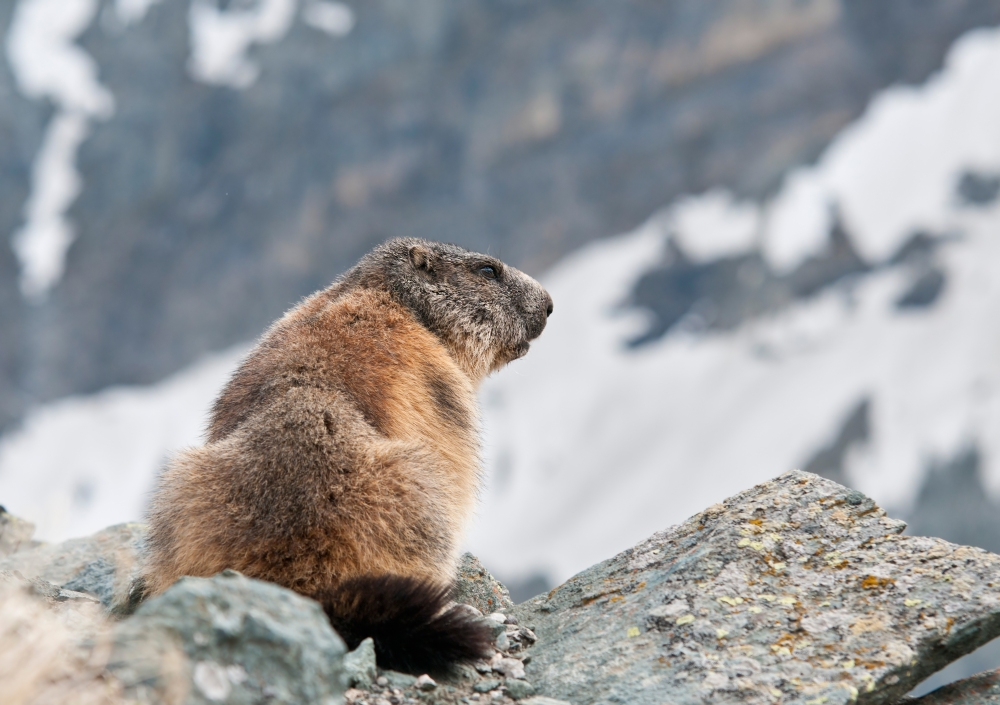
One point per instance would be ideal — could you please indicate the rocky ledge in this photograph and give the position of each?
(798, 590)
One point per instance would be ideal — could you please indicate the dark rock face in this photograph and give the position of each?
(22, 125)
(798, 589)
(856, 430)
(522, 128)
(722, 294)
(232, 639)
(978, 189)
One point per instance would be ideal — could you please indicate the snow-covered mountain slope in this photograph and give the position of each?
(593, 445)
(82, 463)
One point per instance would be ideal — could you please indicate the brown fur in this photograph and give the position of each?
(346, 445)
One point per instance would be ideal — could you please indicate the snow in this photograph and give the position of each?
(220, 39)
(592, 446)
(892, 171)
(715, 225)
(133, 11)
(80, 464)
(334, 18)
(41, 245)
(47, 64)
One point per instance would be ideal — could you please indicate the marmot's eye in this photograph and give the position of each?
(488, 272)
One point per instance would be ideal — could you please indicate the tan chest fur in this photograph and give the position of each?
(403, 380)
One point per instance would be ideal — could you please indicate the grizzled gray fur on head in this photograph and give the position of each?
(486, 311)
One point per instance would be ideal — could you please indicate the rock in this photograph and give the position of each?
(15, 533)
(425, 682)
(359, 665)
(44, 589)
(798, 590)
(477, 587)
(400, 680)
(102, 565)
(486, 685)
(981, 689)
(229, 638)
(519, 689)
(510, 667)
(541, 700)
(52, 646)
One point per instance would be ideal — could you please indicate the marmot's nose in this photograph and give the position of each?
(548, 305)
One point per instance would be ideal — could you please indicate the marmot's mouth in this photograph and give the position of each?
(521, 350)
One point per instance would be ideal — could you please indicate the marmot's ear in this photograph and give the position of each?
(422, 259)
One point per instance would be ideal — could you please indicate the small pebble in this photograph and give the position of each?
(498, 617)
(503, 642)
(483, 667)
(425, 682)
(382, 681)
(511, 619)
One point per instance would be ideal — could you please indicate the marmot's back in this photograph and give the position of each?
(342, 457)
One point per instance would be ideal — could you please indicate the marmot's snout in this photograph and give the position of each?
(539, 316)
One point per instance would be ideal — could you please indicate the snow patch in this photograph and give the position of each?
(220, 39)
(41, 245)
(133, 11)
(893, 171)
(79, 464)
(715, 225)
(594, 446)
(47, 64)
(334, 18)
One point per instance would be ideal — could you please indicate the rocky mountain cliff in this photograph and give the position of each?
(234, 156)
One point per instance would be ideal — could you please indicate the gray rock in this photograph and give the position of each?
(229, 638)
(103, 565)
(981, 689)
(15, 533)
(797, 589)
(49, 592)
(502, 642)
(477, 587)
(519, 689)
(486, 685)
(400, 680)
(359, 665)
(425, 682)
(541, 700)
(510, 667)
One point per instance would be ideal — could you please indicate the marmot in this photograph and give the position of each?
(342, 458)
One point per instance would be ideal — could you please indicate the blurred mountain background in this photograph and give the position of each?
(769, 226)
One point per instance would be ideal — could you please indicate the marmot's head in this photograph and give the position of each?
(487, 312)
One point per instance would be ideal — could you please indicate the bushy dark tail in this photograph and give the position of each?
(414, 628)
